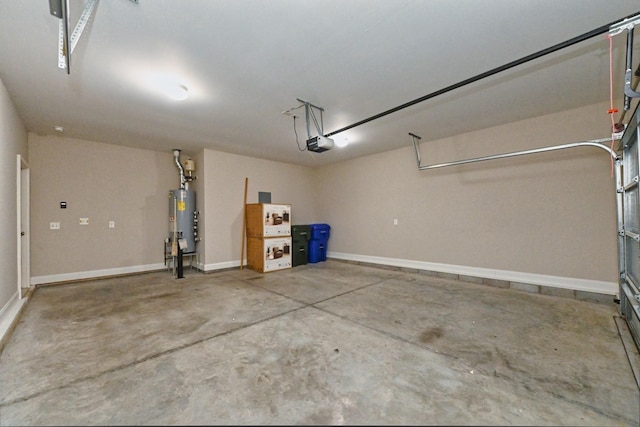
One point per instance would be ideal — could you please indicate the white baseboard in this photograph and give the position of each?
(95, 274)
(596, 286)
(220, 266)
(9, 315)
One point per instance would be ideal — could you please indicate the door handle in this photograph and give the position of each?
(22, 233)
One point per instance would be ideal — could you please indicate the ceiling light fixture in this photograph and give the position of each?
(58, 129)
(341, 142)
(177, 92)
(167, 84)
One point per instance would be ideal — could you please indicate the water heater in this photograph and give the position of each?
(183, 218)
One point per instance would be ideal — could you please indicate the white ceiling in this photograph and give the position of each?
(247, 61)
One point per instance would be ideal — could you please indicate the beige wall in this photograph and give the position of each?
(13, 141)
(102, 182)
(224, 177)
(105, 182)
(550, 214)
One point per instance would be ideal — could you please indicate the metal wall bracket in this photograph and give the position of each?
(60, 9)
(67, 43)
(319, 143)
(629, 90)
(308, 108)
(625, 24)
(65, 50)
(634, 236)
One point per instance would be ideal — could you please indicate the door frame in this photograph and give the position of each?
(22, 227)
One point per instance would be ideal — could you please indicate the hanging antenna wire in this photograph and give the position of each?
(296, 132)
(612, 109)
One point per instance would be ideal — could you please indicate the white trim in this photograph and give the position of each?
(587, 285)
(220, 265)
(9, 315)
(597, 286)
(65, 277)
(22, 225)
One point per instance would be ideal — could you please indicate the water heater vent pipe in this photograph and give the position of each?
(183, 180)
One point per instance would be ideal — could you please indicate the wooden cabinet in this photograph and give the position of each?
(268, 237)
(268, 254)
(268, 220)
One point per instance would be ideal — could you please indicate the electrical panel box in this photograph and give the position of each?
(271, 254)
(268, 220)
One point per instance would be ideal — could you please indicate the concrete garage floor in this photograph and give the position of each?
(326, 343)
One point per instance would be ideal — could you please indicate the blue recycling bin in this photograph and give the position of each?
(318, 242)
